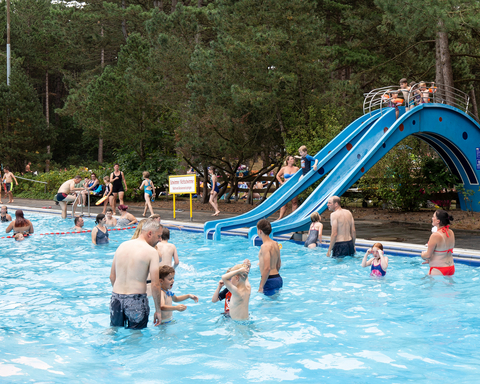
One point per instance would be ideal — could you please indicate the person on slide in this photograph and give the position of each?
(379, 262)
(342, 239)
(314, 238)
(439, 254)
(287, 171)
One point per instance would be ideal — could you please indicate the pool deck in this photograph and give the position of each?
(402, 239)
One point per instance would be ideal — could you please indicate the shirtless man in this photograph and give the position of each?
(78, 224)
(167, 251)
(269, 261)
(63, 194)
(4, 216)
(237, 283)
(111, 221)
(27, 168)
(342, 239)
(8, 178)
(132, 262)
(439, 254)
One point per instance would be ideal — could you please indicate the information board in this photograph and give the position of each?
(182, 184)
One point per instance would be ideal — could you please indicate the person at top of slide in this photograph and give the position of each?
(306, 160)
(379, 262)
(269, 260)
(314, 238)
(287, 171)
(439, 254)
(343, 236)
(167, 251)
(117, 178)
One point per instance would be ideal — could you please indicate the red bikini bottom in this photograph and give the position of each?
(446, 271)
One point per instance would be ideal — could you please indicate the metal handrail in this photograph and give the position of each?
(35, 181)
(88, 194)
(430, 93)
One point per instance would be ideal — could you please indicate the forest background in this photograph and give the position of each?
(156, 85)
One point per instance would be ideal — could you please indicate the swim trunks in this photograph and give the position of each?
(446, 271)
(343, 248)
(8, 186)
(61, 196)
(272, 285)
(129, 311)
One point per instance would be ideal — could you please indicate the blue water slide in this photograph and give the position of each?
(327, 158)
(453, 134)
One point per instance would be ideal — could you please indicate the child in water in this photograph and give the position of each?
(237, 283)
(379, 262)
(167, 277)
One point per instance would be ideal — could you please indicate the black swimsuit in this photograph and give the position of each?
(117, 185)
(3, 219)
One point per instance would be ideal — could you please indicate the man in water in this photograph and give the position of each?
(167, 251)
(63, 195)
(4, 216)
(343, 236)
(132, 262)
(78, 224)
(269, 260)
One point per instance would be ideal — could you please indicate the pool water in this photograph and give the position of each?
(332, 322)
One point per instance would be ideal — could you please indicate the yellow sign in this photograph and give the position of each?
(180, 185)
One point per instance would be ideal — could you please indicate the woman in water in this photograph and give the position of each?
(20, 225)
(149, 192)
(214, 192)
(117, 178)
(287, 171)
(314, 238)
(100, 232)
(379, 262)
(439, 254)
(126, 219)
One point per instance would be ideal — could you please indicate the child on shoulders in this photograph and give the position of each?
(167, 277)
(379, 262)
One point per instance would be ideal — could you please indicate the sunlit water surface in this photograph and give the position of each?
(331, 322)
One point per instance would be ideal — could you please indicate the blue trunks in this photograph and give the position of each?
(272, 285)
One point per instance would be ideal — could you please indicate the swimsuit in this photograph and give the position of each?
(272, 285)
(117, 185)
(8, 186)
(377, 270)
(312, 238)
(343, 248)
(214, 187)
(122, 222)
(287, 176)
(102, 237)
(129, 311)
(306, 164)
(227, 296)
(61, 196)
(3, 219)
(446, 271)
(149, 191)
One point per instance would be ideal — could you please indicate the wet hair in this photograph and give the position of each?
(99, 218)
(109, 210)
(378, 245)
(303, 148)
(151, 225)
(403, 80)
(77, 219)
(315, 216)
(236, 268)
(165, 234)
(444, 217)
(139, 229)
(164, 271)
(146, 174)
(123, 207)
(20, 221)
(19, 237)
(336, 200)
(265, 226)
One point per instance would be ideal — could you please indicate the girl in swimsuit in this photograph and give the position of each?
(100, 232)
(314, 238)
(439, 254)
(20, 225)
(379, 262)
(108, 193)
(214, 192)
(149, 190)
(287, 171)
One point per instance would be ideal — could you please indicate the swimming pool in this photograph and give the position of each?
(331, 322)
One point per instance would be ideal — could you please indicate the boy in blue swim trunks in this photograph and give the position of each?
(306, 160)
(166, 273)
(269, 261)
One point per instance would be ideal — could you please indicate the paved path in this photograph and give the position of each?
(366, 229)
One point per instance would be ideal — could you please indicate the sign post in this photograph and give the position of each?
(180, 185)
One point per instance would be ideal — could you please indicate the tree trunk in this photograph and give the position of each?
(446, 62)
(206, 196)
(47, 115)
(174, 6)
(124, 23)
(100, 138)
(473, 100)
